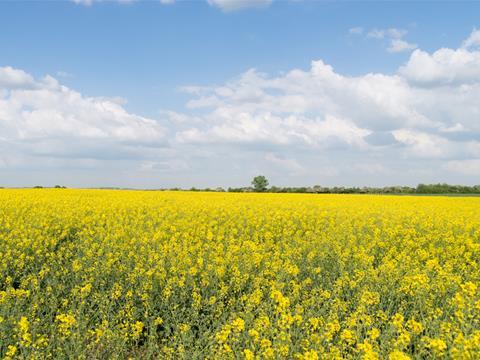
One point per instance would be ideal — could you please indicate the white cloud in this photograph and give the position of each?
(443, 67)
(395, 39)
(392, 33)
(320, 111)
(234, 5)
(473, 40)
(421, 144)
(11, 78)
(229, 126)
(305, 107)
(376, 34)
(44, 117)
(418, 124)
(457, 127)
(397, 45)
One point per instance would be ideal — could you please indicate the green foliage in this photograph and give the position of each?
(260, 183)
(447, 189)
(401, 190)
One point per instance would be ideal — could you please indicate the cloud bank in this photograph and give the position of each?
(316, 125)
(429, 110)
(43, 122)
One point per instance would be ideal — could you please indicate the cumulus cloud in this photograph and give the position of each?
(421, 144)
(398, 45)
(392, 33)
(15, 78)
(318, 107)
(43, 117)
(395, 38)
(228, 126)
(418, 124)
(443, 67)
(428, 109)
(473, 40)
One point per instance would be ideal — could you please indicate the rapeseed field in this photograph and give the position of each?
(93, 274)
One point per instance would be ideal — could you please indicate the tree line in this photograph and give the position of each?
(260, 184)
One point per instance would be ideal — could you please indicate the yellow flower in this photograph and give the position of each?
(238, 325)
(24, 330)
(368, 351)
(41, 342)
(310, 355)
(137, 329)
(403, 339)
(11, 351)
(414, 326)
(85, 290)
(469, 288)
(184, 328)
(438, 346)
(268, 275)
(374, 333)
(23, 324)
(212, 300)
(284, 350)
(397, 321)
(398, 355)
(223, 334)
(248, 354)
(265, 343)
(65, 324)
(314, 323)
(253, 334)
(348, 336)
(268, 353)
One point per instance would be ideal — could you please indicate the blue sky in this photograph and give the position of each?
(207, 93)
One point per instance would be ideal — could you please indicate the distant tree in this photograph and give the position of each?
(274, 189)
(260, 183)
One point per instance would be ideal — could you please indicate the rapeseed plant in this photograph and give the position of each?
(138, 274)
